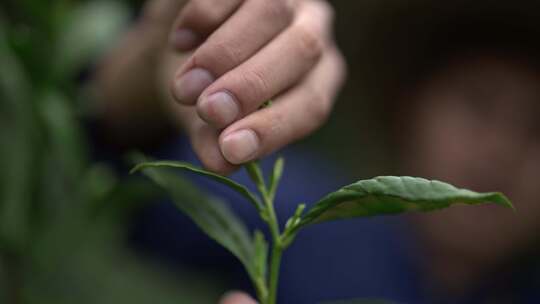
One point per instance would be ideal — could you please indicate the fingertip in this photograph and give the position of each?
(205, 144)
(187, 87)
(219, 109)
(236, 298)
(218, 165)
(240, 146)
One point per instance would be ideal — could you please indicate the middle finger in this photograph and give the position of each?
(255, 24)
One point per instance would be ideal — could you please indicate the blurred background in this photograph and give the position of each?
(443, 90)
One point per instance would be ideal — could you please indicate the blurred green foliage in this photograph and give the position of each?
(62, 217)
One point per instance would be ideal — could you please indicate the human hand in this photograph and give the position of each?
(237, 298)
(245, 53)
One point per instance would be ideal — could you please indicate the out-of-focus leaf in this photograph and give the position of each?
(64, 134)
(218, 178)
(129, 195)
(97, 184)
(60, 219)
(394, 195)
(98, 268)
(91, 28)
(212, 216)
(14, 83)
(254, 171)
(17, 134)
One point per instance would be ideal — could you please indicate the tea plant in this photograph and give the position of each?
(379, 196)
(65, 218)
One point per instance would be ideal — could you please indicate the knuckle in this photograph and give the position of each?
(218, 57)
(273, 125)
(274, 131)
(320, 15)
(319, 110)
(227, 52)
(310, 45)
(256, 84)
(278, 10)
(326, 9)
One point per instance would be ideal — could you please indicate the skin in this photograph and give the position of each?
(474, 123)
(237, 298)
(214, 63)
(249, 51)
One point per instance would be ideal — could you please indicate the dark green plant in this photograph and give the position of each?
(64, 217)
(366, 198)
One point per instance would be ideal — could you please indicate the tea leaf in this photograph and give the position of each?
(260, 262)
(255, 173)
(211, 215)
(277, 172)
(394, 195)
(17, 138)
(218, 178)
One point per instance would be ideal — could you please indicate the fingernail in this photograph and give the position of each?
(219, 109)
(240, 147)
(188, 87)
(184, 39)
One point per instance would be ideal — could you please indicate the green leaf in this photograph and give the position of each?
(96, 185)
(261, 253)
(64, 133)
(218, 178)
(260, 263)
(211, 215)
(89, 30)
(18, 133)
(394, 195)
(291, 226)
(104, 270)
(276, 177)
(255, 173)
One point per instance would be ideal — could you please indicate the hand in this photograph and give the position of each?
(237, 298)
(247, 52)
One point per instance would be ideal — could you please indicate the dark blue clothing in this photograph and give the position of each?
(363, 258)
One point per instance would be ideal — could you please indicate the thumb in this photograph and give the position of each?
(237, 298)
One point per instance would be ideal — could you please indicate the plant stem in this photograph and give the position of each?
(277, 251)
(273, 223)
(275, 264)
